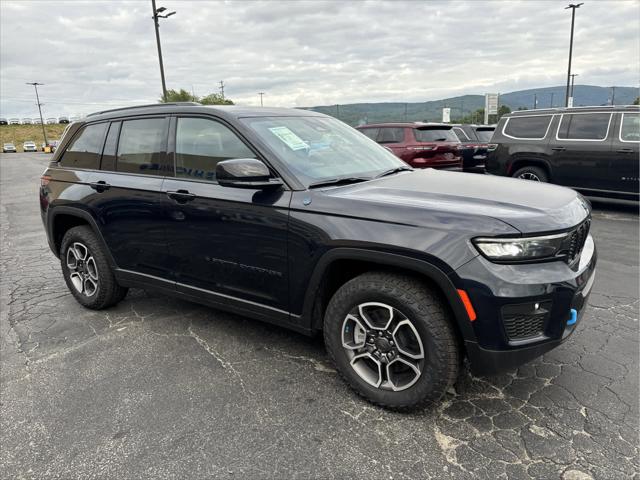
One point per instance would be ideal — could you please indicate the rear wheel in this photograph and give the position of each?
(391, 339)
(535, 174)
(86, 270)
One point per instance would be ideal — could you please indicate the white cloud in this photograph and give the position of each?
(94, 54)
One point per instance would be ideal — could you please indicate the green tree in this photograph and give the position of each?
(184, 96)
(503, 110)
(636, 101)
(177, 96)
(215, 99)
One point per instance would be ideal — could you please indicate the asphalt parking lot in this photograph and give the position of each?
(158, 387)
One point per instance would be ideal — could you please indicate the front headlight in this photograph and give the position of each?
(520, 249)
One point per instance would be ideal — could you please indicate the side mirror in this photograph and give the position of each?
(245, 173)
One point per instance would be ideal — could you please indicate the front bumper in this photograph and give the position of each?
(558, 292)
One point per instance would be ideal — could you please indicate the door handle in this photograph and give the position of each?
(100, 186)
(624, 150)
(558, 149)
(181, 196)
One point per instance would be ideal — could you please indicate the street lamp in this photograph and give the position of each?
(573, 7)
(261, 95)
(156, 16)
(35, 85)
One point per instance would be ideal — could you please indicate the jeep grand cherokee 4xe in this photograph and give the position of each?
(292, 217)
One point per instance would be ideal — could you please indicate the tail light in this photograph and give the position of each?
(491, 147)
(44, 180)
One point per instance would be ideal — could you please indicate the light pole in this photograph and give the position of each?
(613, 96)
(35, 85)
(156, 23)
(573, 79)
(261, 95)
(573, 7)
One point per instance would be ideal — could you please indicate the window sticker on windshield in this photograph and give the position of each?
(293, 141)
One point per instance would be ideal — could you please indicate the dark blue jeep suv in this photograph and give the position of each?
(292, 217)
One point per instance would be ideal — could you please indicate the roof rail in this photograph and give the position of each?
(143, 106)
(603, 107)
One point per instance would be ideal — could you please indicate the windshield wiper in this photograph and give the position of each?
(338, 181)
(392, 171)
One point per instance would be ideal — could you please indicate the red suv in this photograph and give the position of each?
(421, 145)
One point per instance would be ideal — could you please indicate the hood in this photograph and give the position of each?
(530, 207)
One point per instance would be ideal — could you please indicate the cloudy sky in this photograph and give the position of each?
(94, 55)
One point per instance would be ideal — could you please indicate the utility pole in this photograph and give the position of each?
(156, 23)
(337, 111)
(222, 89)
(613, 97)
(573, 78)
(405, 111)
(261, 94)
(35, 86)
(535, 101)
(573, 7)
(551, 106)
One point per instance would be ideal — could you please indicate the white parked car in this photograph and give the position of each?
(51, 120)
(14, 121)
(29, 146)
(26, 121)
(36, 121)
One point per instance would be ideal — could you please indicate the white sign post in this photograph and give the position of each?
(446, 115)
(570, 102)
(490, 106)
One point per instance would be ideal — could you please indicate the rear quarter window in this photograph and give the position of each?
(630, 127)
(85, 149)
(528, 128)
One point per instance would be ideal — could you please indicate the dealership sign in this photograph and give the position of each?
(490, 105)
(446, 115)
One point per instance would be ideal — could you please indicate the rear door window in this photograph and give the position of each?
(527, 128)
(391, 135)
(584, 126)
(630, 127)
(372, 133)
(201, 144)
(85, 149)
(142, 147)
(427, 134)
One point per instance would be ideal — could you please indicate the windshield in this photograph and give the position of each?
(316, 149)
(438, 134)
(484, 135)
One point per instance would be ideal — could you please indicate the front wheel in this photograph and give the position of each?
(86, 270)
(392, 340)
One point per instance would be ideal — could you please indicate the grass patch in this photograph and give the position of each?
(18, 134)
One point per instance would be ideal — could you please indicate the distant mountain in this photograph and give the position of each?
(359, 113)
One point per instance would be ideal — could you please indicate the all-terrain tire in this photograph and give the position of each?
(532, 173)
(432, 321)
(107, 292)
